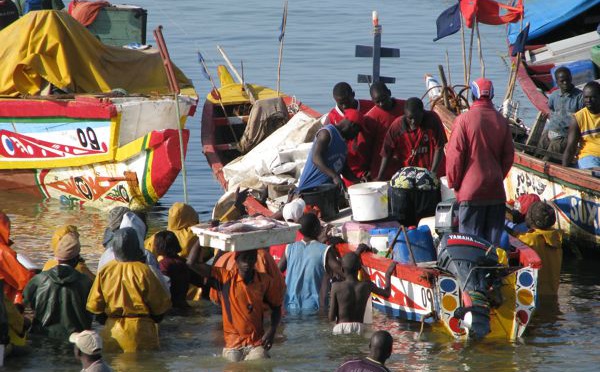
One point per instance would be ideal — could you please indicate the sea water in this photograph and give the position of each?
(318, 52)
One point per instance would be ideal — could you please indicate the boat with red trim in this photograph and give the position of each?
(84, 132)
(420, 292)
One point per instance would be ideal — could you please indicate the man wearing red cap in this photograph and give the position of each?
(478, 157)
(359, 149)
(327, 157)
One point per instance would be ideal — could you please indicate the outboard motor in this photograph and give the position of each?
(474, 264)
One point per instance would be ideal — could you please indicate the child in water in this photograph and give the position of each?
(547, 243)
(349, 298)
(173, 266)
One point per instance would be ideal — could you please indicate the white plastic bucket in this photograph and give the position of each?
(369, 201)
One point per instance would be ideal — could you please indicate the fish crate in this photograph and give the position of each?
(245, 241)
(119, 25)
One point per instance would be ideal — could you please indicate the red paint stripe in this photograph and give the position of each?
(466, 242)
(79, 108)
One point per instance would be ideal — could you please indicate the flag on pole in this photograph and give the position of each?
(468, 8)
(283, 22)
(519, 45)
(448, 22)
(488, 12)
(203, 64)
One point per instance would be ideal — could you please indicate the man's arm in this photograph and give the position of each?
(318, 156)
(282, 265)
(332, 264)
(384, 163)
(440, 142)
(572, 142)
(267, 338)
(387, 290)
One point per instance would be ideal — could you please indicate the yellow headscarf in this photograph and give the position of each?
(59, 233)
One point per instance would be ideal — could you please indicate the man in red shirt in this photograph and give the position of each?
(478, 157)
(386, 110)
(415, 139)
(359, 149)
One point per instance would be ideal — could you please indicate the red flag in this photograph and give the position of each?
(488, 12)
(468, 8)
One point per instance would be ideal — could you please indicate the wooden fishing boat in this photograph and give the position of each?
(98, 152)
(560, 32)
(88, 146)
(424, 294)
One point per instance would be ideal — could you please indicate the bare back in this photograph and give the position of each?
(349, 300)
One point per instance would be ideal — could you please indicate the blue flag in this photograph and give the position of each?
(519, 45)
(448, 22)
(203, 64)
(283, 20)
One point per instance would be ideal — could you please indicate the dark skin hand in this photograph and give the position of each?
(349, 298)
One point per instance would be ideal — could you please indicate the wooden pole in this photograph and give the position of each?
(470, 55)
(237, 74)
(282, 37)
(481, 61)
(444, 86)
(464, 52)
(164, 53)
(448, 68)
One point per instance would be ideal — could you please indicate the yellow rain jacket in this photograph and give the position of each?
(51, 46)
(129, 293)
(16, 323)
(181, 217)
(548, 245)
(58, 234)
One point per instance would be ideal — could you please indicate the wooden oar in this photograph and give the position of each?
(239, 78)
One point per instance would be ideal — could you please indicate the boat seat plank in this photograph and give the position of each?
(231, 120)
(226, 146)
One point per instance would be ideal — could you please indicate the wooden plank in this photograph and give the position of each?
(233, 120)
(537, 129)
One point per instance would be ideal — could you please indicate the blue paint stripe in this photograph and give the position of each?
(52, 127)
(590, 132)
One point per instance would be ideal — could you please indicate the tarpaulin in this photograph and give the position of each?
(51, 46)
(546, 15)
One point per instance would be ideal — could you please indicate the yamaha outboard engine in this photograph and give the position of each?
(474, 264)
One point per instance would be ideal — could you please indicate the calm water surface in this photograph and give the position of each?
(319, 48)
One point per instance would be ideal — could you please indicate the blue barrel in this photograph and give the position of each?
(421, 243)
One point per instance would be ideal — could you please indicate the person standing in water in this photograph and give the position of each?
(349, 298)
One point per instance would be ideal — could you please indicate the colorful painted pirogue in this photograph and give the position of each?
(560, 31)
(109, 137)
(418, 293)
